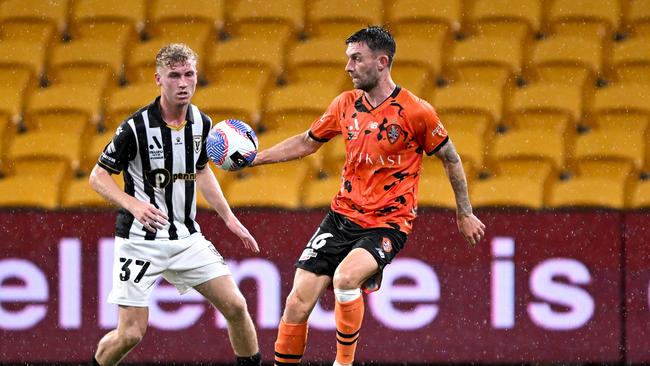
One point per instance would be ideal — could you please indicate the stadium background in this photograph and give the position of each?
(547, 101)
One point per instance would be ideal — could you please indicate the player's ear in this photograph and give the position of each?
(157, 78)
(383, 62)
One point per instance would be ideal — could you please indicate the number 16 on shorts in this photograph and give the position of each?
(125, 275)
(316, 242)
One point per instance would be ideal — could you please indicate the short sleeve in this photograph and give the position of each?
(434, 135)
(327, 126)
(119, 151)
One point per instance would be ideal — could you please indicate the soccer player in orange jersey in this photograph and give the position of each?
(386, 130)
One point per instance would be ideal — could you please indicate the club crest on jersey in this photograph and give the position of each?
(393, 132)
(197, 143)
(386, 245)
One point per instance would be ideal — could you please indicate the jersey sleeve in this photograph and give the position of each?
(120, 150)
(433, 135)
(202, 161)
(327, 126)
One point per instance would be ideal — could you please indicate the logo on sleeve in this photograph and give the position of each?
(197, 143)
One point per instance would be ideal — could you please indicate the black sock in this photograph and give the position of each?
(254, 360)
(94, 362)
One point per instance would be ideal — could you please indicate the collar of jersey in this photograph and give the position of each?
(392, 95)
(155, 118)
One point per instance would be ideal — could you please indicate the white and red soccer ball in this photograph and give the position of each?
(231, 144)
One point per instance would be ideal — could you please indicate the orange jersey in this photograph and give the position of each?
(384, 147)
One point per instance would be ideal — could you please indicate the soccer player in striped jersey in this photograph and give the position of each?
(161, 152)
(386, 131)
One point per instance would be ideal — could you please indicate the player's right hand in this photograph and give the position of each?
(148, 215)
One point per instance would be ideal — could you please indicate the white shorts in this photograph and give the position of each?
(184, 263)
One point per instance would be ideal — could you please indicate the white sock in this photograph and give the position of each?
(340, 364)
(347, 295)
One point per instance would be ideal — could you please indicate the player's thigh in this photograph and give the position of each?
(307, 289)
(357, 266)
(132, 321)
(223, 293)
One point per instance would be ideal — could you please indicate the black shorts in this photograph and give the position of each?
(337, 236)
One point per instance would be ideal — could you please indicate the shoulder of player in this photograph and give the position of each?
(348, 97)
(417, 107)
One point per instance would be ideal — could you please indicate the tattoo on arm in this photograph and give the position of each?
(456, 174)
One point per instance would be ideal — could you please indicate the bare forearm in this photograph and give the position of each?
(209, 187)
(456, 175)
(294, 147)
(102, 183)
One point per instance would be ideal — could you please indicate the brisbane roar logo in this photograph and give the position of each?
(386, 245)
(393, 132)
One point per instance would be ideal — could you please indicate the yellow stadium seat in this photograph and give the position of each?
(416, 79)
(469, 133)
(567, 59)
(519, 143)
(68, 98)
(637, 17)
(615, 136)
(26, 11)
(319, 190)
(434, 189)
(630, 60)
(320, 60)
(227, 101)
(7, 131)
(297, 105)
(15, 84)
(123, 102)
(97, 143)
(118, 22)
(34, 183)
(425, 18)
(505, 18)
(596, 184)
(426, 53)
(550, 98)
(18, 54)
(470, 98)
(78, 194)
(276, 185)
(585, 17)
(640, 195)
(622, 97)
(516, 183)
(209, 12)
(493, 60)
(246, 61)
(90, 62)
(339, 19)
(279, 20)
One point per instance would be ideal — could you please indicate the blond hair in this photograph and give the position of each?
(173, 54)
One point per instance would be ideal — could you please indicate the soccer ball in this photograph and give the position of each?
(231, 144)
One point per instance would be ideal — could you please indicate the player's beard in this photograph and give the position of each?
(367, 85)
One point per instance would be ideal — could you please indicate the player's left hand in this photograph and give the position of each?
(240, 230)
(471, 227)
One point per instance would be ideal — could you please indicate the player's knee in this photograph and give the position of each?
(132, 336)
(236, 309)
(296, 309)
(345, 281)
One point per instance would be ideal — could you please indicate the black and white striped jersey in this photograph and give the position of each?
(159, 165)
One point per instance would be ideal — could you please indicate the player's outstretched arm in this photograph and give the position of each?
(151, 218)
(209, 187)
(294, 147)
(469, 225)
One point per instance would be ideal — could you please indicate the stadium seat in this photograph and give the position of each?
(424, 18)
(416, 79)
(519, 20)
(615, 136)
(320, 60)
(277, 20)
(35, 11)
(564, 99)
(630, 60)
(596, 184)
(319, 189)
(567, 59)
(623, 97)
(515, 183)
(275, 185)
(24, 54)
(118, 22)
(532, 144)
(246, 61)
(77, 194)
(75, 98)
(640, 194)
(469, 98)
(637, 17)
(88, 62)
(227, 101)
(125, 101)
(295, 107)
(419, 54)
(493, 60)
(7, 131)
(97, 143)
(15, 84)
(339, 19)
(585, 18)
(35, 184)
(434, 189)
(172, 14)
(469, 132)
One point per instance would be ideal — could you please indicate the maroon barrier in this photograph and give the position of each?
(541, 287)
(637, 248)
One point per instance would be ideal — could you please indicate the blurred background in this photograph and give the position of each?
(547, 101)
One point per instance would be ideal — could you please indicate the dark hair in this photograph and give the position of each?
(377, 38)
